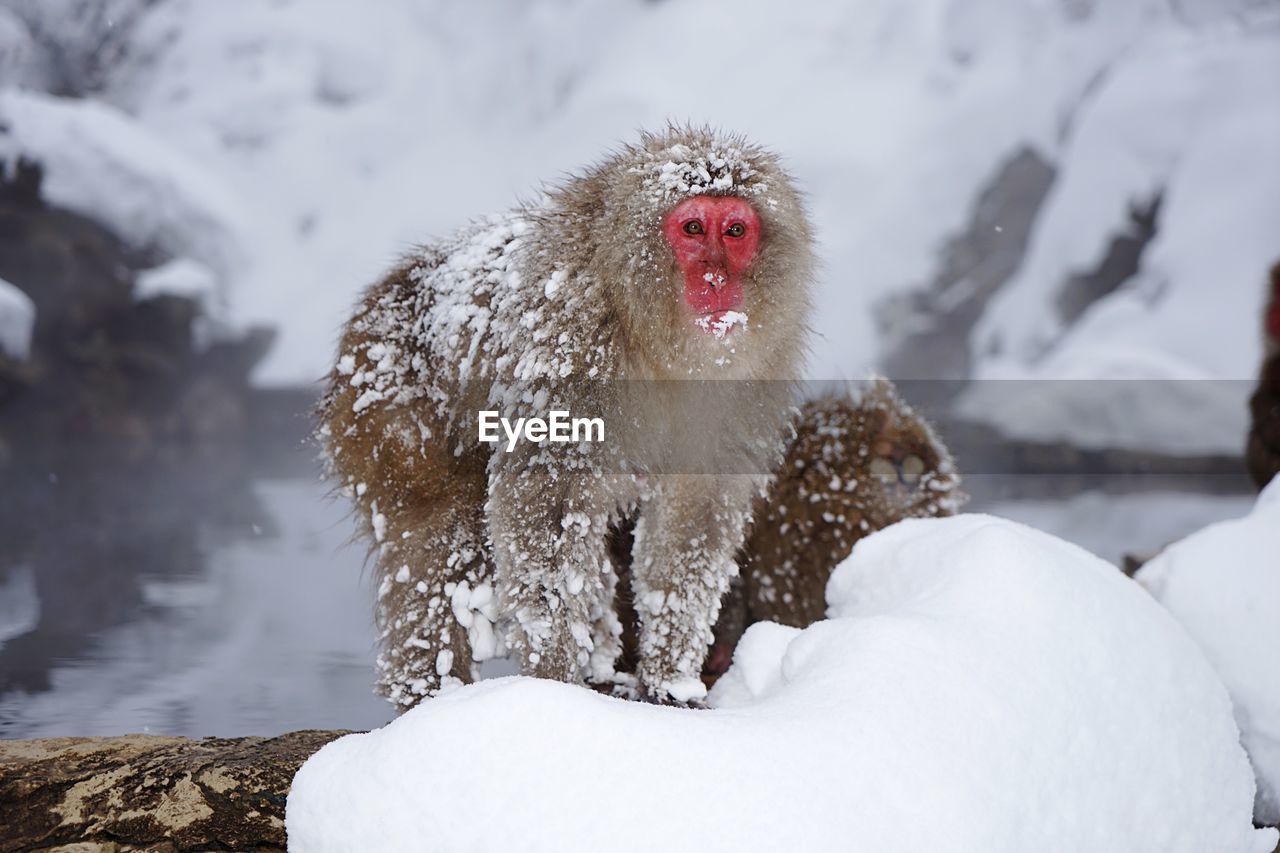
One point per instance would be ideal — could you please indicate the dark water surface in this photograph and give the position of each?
(220, 596)
(193, 598)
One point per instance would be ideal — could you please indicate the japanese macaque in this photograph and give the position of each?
(685, 257)
(854, 467)
(1263, 451)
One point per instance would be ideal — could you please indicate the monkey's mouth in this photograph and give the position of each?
(720, 324)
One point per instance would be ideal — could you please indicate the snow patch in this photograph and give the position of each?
(721, 323)
(1223, 585)
(1018, 692)
(17, 321)
(179, 277)
(103, 164)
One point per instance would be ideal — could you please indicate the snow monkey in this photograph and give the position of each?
(1263, 451)
(854, 467)
(686, 256)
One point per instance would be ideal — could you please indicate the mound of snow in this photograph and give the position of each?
(980, 686)
(17, 320)
(1223, 585)
(101, 163)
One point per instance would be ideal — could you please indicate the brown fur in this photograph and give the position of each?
(572, 305)
(841, 480)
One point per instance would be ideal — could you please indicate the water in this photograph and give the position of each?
(219, 597)
(170, 607)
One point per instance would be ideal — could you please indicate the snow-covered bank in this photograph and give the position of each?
(1187, 119)
(1223, 585)
(102, 164)
(979, 686)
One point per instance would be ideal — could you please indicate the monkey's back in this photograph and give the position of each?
(422, 350)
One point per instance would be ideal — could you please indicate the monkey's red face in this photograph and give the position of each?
(714, 239)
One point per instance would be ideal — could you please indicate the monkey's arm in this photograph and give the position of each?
(686, 539)
(548, 519)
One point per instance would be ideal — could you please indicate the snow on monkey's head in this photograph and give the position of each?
(708, 250)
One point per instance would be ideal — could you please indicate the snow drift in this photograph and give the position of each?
(1223, 585)
(980, 686)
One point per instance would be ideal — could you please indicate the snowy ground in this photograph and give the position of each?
(980, 686)
(296, 148)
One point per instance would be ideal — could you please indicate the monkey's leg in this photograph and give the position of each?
(687, 536)
(436, 607)
(606, 635)
(422, 507)
(556, 580)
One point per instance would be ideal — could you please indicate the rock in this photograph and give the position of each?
(143, 792)
(108, 365)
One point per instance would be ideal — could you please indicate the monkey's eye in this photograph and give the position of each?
(737, 229)
(693, 227)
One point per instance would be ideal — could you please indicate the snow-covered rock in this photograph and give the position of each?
(1192, 116)
(101, 163)
(980, 686)
(1223, 585)
(17, 320)
(179, 277)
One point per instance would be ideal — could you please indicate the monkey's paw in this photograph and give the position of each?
(681, 693)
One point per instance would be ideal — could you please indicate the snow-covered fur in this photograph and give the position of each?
(574, 304)
(854, 467)
(1263, 451)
